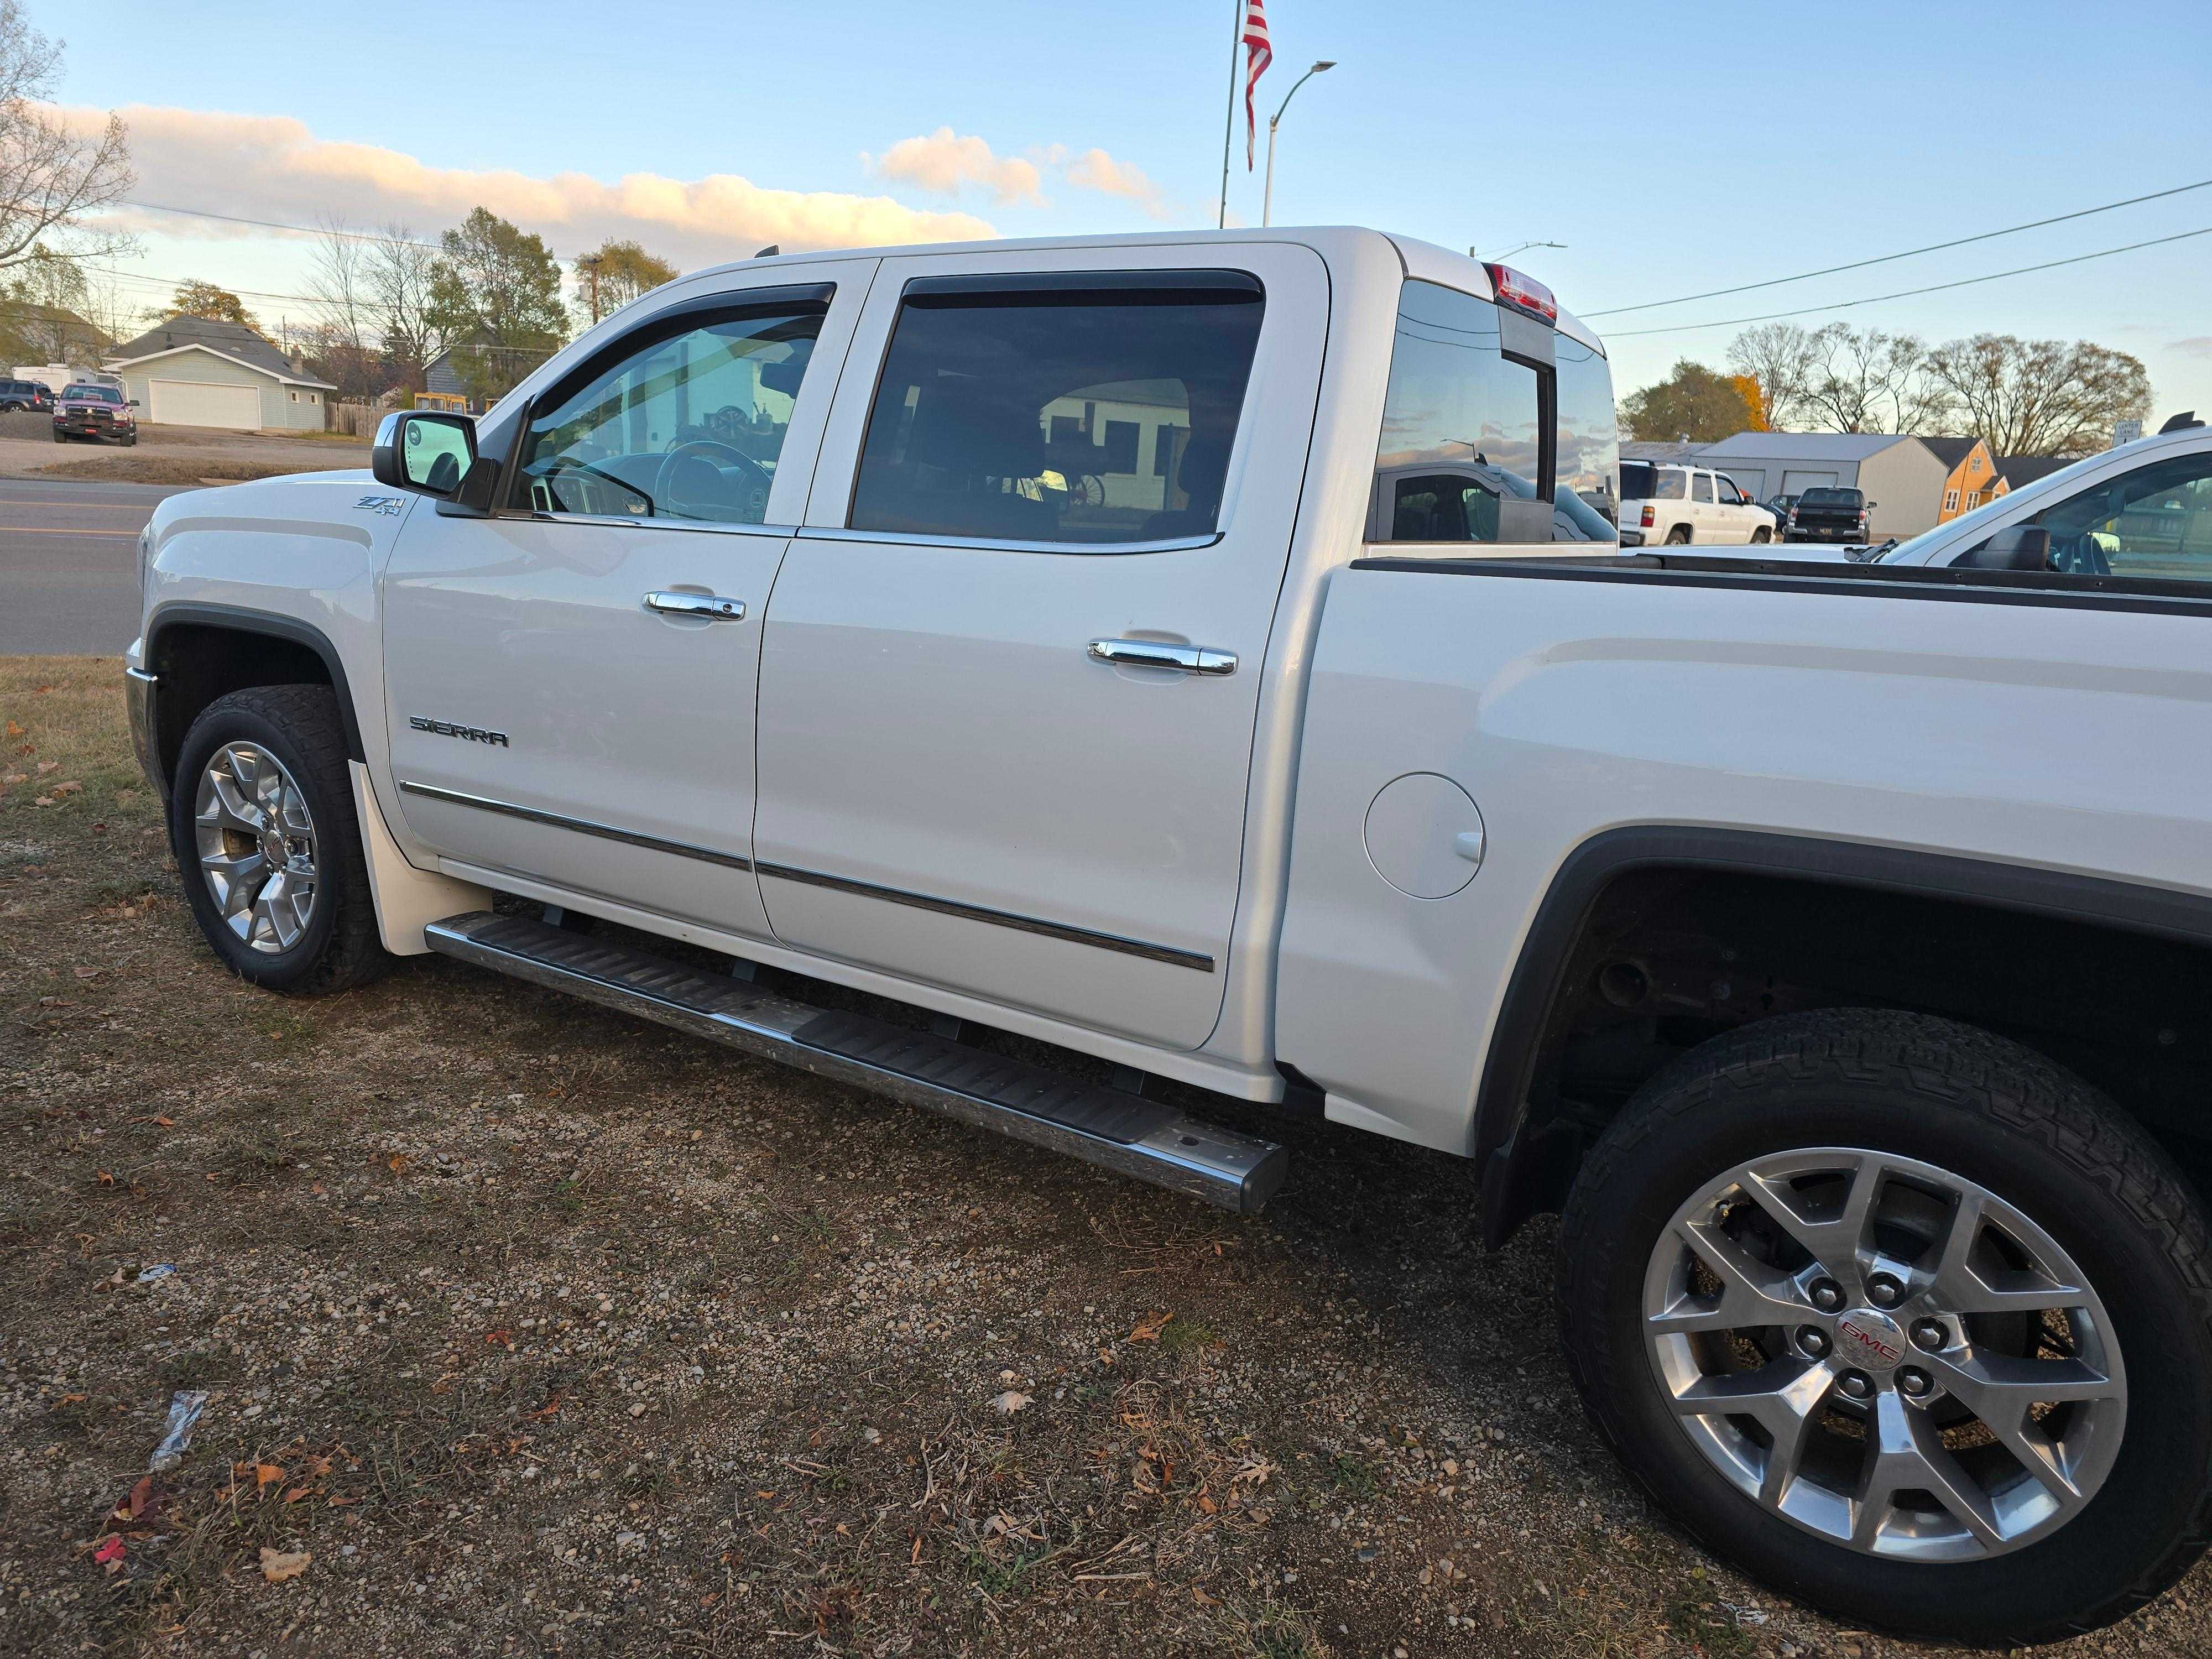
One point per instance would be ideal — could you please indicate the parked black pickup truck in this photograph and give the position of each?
(1828, 514)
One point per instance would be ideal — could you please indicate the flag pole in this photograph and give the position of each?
(1229, 120)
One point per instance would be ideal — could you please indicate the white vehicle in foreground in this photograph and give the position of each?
(1179, 654)
(1666, 505)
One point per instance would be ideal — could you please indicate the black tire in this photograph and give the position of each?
(1995, 1114)
(1761, 538)
(1679, 536)
(299, 726)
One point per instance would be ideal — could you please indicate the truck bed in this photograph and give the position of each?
(1941, 714)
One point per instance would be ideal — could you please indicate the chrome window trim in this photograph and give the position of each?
(650, 522)
(1168, 954)
(900, 538)
(582, 826)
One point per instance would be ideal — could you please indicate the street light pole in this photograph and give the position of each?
(1267, 197)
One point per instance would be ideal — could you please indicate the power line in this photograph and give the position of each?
(1911, 252)
(1907, 293)
(273, 224)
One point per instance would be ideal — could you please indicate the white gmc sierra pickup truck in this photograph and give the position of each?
(1171, 669)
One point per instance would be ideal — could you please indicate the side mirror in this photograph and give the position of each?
(133, 403)
(424, 450)
(2017, 547)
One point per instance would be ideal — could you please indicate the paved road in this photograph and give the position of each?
(69, 565)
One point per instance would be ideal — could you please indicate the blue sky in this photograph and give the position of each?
(1672, 151)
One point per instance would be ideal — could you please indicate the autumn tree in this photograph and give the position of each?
(1875, 381)
(195, 298)
(495, 293)
(398, 276)
(1694, 402)
(2041, 397)
(612, 275)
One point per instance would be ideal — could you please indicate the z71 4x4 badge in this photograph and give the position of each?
(447, 729)
(387, 505)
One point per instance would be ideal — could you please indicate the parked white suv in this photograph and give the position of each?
(1663, 504)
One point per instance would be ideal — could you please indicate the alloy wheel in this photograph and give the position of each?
(255, 841)
(1885, 1354)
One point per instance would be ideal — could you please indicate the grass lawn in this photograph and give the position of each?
(525, 1328)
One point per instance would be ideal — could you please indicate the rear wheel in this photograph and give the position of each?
(262, 823)
(1906, 1319)
(1679, 536)
(1761, 538)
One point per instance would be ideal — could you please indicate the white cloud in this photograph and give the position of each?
(1096, 170)
(943, 161)
(2197, 345)
(274, 167)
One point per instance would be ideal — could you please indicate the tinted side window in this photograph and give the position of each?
(1443, 507)
(1455, 397)
(1671, 483)
(1093, 409)
(684, 420)
(1589, 432)
(1701, 486)
(2155, 521)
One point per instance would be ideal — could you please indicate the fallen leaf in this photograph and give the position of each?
(71, 787)
(501, 1338)
(43, 800)
(278, 1565)
(110, 1551)
(46, 767)
(14, 730)
(1010, 1403)
(337, 1503)
(73, 1399)
(1150, 1327)
(396, 1163)
(87, 973)
(140, 1495)
(1207, 1503)
(265, 1474)
(106, 1179)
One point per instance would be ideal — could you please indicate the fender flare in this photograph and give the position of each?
(239, 619)
(1517, 1166)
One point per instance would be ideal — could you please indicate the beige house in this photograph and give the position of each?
(195, 371)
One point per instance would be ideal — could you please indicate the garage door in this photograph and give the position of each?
(202, 403)
(1795, 482)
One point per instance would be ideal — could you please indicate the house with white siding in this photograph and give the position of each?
(197, 371)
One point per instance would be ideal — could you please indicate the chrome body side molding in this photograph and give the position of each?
(581, 826)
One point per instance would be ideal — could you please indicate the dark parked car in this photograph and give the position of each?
(1828, 514)
(94, 411)
(1779, 506)
(26, 395)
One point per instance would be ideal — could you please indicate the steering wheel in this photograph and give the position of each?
(682, 484)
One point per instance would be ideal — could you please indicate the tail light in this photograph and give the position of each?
(1793, 515)
(1650, 517)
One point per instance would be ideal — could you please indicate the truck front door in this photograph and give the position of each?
(571, 681)
(1013, 661)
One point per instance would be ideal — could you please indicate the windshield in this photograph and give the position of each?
(1851, 498)
(98, 394)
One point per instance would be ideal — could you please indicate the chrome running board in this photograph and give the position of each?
(1106, 1127)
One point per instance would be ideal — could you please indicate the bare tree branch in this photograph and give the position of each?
(51, 176)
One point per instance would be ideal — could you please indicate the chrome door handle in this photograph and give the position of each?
(713, 606)
(1152, 653)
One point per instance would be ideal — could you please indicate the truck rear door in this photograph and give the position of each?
(1012, 663)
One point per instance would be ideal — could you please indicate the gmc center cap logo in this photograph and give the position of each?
(1872, 1341)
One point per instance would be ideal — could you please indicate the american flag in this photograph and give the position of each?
(1258, 54)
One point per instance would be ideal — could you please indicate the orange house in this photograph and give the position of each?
(1972, 478)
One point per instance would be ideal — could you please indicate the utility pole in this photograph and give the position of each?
(1267, 199)
(590, 262)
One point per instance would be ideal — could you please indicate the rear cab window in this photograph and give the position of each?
(1852, 498)
(1085, 408)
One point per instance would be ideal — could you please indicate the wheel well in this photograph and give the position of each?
(196, 662)
(1665, 958)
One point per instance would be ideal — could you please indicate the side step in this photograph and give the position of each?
(1106, 1127)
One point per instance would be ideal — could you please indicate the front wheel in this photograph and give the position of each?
(1761, 538)
(1904, 1319)
(262, 823)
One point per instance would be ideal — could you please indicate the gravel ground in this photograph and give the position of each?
(524, 1327)
(170, 454)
